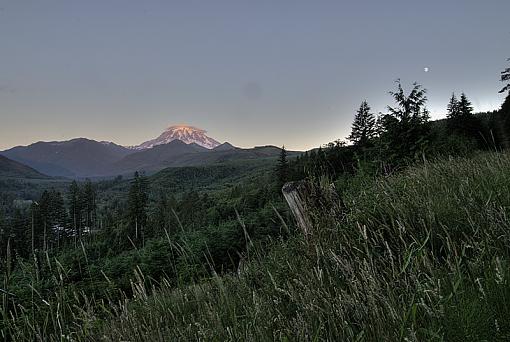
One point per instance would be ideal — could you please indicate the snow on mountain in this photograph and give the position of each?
(184, 133)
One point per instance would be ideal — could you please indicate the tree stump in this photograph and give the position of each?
(296, 195)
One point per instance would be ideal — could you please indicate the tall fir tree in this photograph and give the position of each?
(505, 78)
(465, 107)
(363, 127)
(462, 121)
(58, 217)
(75, 209)
(502, 127)
(88, 200)
(137, 205)
(453, 107)
(405, 128)
(160, 216)
(19, 231)
(282, 169)
(43, 222)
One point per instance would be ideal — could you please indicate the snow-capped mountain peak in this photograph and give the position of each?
(185, 133)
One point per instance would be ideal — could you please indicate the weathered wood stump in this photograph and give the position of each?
(312, 204)
(296, 194)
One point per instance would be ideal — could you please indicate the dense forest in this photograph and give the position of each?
(413, 246)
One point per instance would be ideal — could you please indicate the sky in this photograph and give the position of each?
(280, 72)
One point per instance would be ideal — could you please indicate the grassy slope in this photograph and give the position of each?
(421, 256)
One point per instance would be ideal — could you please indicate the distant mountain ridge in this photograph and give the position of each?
(176, 147)
(179, 154)
(73, 158)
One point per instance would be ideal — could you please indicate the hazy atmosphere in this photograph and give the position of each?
(251, 73)
(258, 170)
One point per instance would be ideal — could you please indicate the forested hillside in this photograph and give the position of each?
(14, 170)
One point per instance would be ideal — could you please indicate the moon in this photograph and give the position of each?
(426, 69)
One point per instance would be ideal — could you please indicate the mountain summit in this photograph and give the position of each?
(184, 133)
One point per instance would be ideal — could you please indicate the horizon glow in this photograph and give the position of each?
(277, 73)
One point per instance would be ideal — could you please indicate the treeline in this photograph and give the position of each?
(87, 214)
(384, 143)
(50, 221)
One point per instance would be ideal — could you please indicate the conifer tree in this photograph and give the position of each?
(453, 107)
(75, 209)
(43, 226)
(465, 107)
(461, 120)
(409, 108)
(137, 205)
(282, 169)
(89, 204)
(503, 116)
(161, 213)
(19, 233)
(59, 215)
(364, 126)
(505, 78)
(405, 128)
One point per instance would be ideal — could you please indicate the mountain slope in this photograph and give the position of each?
(74, 158)
(156, 157)
(187, 134)
(12, 169)
(179, 154)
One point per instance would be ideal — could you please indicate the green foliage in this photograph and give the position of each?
(422, 255)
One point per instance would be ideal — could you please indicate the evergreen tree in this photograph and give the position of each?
(20, 233)
(137, 205)
(462, 121)
(363, 127)
(501, 124)
(465, 107)
(161, 216)
(43, 221)
(282, 169)
(58, 216)
(88, 200)
(502, 127)
(505, 78)
(453, 107)
(161, 211)
(405, 129)
(4, 234)
(409, 108)
(75, 209)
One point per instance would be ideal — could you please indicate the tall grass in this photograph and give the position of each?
(423, 255)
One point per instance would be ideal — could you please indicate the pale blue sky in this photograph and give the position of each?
(250, 72)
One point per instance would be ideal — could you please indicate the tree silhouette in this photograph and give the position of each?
(137, 205)
(75, 209)
(405, 128)
(453, 107)
(364, 126)
(505, 77)
(465, 107)
(282, 169)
